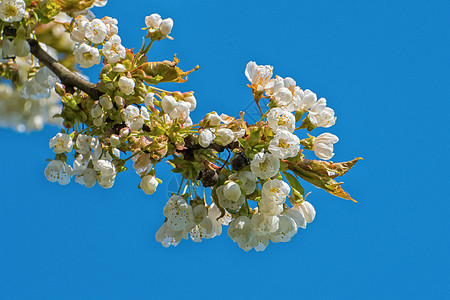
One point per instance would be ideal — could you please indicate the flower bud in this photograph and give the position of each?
(168, 104)
(154, 20)
(114, 140)
(125, 132)
(224, 136)
(126, 85)
(205, 138)
(119, 101)
(149, 184)
(189, 98)
(59, 89)
(166, 26)
(105, 102)
(119, 68)
(232, 191)
(109, 86)
(323, 145)
(98, 121)
(214, 119)
(149, 99)
(307, 210)
(96, 111)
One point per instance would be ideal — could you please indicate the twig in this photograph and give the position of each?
(69, 79)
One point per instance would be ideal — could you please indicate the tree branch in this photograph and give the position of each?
(67, 77)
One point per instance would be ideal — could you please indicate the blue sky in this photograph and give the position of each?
(383, 66)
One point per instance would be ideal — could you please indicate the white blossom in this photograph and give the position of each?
(205, 138)
(241, 231)
(259, 76)
(265, 165)
(191, 100)
(267, 206)
(61, 143)
(283, 97)
(213, 214)
(232, 191)
(149, 184)
(178, 212)
(181, 111)
(307, 99)
(204, 230)
(105, 167)
(279, 119)
(86, 55)
(83, 143)
(284, 144)
(307, 210)
(289, 83)
(286, 230)
(12, 10)
(142, 163)
(274, 85)
(135, 118)
(46, 78)
(175, 109)
(297, 215)
(168, 104)
(322, 116)
(149, 99)
(224, 136)
(275, 190)
(229, 203)
(166, 26)
(265, 224)
(199, 212)
(24, 113)
(168, 237)
(323, 145)
(59, 171)
(77, 34)
(126, 85)
(107, 173)
(113, 49)
(95, 31)
(87, 13)
(214, 119)
(247, 181)
(32, 89)
(87, 177)
(154, 20)
(17, 47)
(111, 25)
(81, 162)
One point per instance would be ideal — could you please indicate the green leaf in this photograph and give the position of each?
(322, 174)
(294, 183)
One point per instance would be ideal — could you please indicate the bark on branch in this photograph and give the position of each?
(67, 77)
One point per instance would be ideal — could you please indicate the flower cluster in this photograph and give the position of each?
(27, 114)
(241, 175)
(89, 34)
(258, 172)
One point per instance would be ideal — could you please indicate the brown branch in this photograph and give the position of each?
(67, 77)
